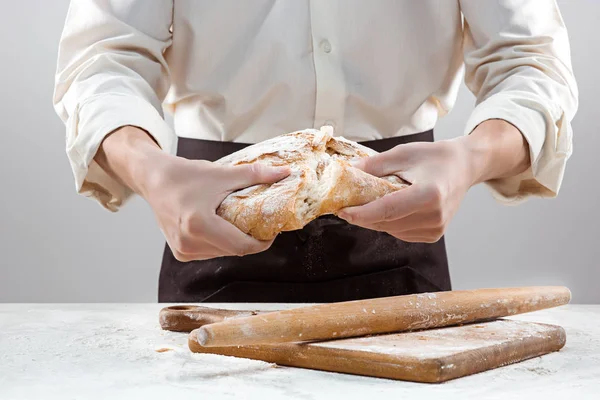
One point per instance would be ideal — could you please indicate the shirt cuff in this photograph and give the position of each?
(91, 122)
(549, 136)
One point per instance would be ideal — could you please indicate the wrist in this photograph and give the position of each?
(128, 154)
(496, 149)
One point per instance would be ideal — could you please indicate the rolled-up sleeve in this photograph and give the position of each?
(518, 65)
(111, 73)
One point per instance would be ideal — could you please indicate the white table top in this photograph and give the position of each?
(108, 351)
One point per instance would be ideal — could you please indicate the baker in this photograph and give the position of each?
(380, 73)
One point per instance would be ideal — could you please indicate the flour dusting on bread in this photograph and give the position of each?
(322, 182)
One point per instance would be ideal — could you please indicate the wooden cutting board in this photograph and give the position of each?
(435, 355)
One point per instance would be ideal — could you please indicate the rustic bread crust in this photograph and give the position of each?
(322, 182)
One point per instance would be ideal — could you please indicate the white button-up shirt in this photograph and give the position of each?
(246, 71)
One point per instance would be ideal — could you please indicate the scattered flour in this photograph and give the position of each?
(100, 351)
(442, 342)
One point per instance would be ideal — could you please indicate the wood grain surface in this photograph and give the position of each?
(430, 356)
(381, 315)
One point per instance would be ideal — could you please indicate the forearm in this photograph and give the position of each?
(125, 155)
(496, 149)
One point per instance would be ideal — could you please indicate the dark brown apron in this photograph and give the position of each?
(328, 260)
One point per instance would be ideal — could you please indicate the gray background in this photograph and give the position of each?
(56, 246)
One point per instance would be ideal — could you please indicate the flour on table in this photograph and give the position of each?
(442, 342)
(101, 351)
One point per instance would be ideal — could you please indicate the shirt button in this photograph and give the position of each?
(326, 46)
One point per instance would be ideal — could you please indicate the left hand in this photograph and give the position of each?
(440, 174)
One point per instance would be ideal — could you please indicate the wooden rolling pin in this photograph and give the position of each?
(381, 315)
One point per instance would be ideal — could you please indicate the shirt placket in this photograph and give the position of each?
(329, 76)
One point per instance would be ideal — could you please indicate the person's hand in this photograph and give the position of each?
(441, 173)
(440, 177)
(185, 194)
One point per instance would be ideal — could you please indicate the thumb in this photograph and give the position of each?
(243, 176)
(381, 164)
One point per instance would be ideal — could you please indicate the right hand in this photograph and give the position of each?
(185, 194)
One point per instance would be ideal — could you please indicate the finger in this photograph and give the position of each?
(192, 247)
(194, 257)
(413, 239)
(229, 238)
(387, 208)
(382, 164)
(417, 220)
(243, 176)
(214, 233)
(186, 249)
(430, 235)
(187, 245)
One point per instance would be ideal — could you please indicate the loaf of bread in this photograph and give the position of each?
(322, 181)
